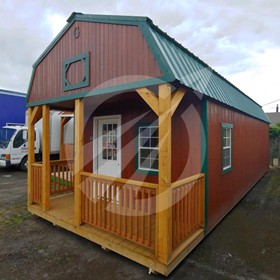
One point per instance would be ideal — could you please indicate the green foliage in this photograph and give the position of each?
(273, 188)
(274, 131)
(15, 215)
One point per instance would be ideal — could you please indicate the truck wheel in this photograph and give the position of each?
(23, 164)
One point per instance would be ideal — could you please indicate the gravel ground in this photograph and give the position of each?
(245, 245)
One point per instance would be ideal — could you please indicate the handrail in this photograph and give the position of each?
(121, 180)
(37, 164)
(53, 162)
(187, 180)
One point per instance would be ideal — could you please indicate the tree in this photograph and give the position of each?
(274, 131)
(274, 136)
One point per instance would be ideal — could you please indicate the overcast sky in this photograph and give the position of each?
(239, 39)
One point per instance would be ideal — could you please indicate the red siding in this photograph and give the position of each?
(133, 110)
(250, 159)
(185, 134)
(186, 127)
(118, 55)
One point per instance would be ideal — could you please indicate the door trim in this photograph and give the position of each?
(95, 142)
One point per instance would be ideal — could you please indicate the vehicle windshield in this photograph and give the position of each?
(5, 136)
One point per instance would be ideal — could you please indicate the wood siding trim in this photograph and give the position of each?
(204, 153)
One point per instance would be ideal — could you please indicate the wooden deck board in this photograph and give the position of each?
(61, 213)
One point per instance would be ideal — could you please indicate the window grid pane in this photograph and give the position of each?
(109, 141)
(226, 142)
(148, 148)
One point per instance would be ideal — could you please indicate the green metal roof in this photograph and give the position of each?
(176, 63)
(194, 73)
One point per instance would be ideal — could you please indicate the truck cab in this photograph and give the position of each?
(13, 145)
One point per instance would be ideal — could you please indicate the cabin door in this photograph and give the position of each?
(108, 146)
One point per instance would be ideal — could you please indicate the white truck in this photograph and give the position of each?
(13, 143)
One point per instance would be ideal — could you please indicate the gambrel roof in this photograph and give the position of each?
(176, 64)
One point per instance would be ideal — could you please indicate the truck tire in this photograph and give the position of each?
(23, 164)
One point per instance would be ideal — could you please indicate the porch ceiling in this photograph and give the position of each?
(68, 105)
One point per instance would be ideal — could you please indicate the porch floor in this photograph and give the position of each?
(61, 213)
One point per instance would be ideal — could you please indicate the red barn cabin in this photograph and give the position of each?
(164, 146)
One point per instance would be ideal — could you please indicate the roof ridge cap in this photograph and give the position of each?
(80, 16)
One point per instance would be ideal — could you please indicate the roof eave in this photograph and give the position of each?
(114, 89)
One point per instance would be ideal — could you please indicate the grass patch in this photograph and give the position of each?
(19, 218)
(273, 188)
(15, 215)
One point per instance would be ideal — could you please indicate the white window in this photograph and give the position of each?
(227, 146)
(148, 148)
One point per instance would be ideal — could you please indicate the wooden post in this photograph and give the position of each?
(78, 158)
(164, 105)
(63, 122)
(46, 182)
(164, 195)
(34, 114)
(31, 156)
(61, 152)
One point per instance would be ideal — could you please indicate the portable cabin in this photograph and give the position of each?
(164, 146)
(12, 107)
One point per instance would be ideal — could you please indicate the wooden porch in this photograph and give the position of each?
(120, 214)
(156, 225)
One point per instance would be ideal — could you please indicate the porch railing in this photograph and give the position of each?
(187, 208)
(124, 207)
(36, 182)
(61, 176)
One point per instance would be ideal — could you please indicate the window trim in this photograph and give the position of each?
(137, 150)
(225, 126)
(82, 58)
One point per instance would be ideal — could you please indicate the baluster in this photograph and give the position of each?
(143, 216)
(120, 209)
(130, 203)
(136, 217)
(149, 201)
(110, 206)
(95, 201)
(115, 207)
(125, 210)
